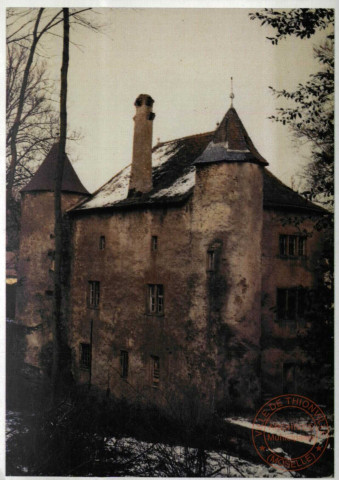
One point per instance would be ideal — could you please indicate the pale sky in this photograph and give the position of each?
(184, 59)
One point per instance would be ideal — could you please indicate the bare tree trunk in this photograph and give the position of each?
(58, 324)
(16, 124)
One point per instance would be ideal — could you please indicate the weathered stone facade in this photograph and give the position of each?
(173, 284)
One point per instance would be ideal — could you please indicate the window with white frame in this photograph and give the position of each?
(155, 300)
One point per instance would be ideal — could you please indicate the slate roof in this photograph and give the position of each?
(44, 178)
(231, 143)
(174, 180)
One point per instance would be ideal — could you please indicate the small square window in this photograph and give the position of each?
(102, 242)
(94, 294)
(155, 371)
(123, 363)
(154, 243)
(155, 301)
(85, 355)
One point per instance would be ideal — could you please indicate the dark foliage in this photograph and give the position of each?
(86, 435)
(310, 116)
(299, 22)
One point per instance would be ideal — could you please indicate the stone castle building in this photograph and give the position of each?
(184, 276)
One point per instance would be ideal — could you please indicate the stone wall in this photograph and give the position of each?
(279, 338)
(207, 340)
(34, 299)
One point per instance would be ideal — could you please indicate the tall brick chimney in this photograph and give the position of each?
(141, 172)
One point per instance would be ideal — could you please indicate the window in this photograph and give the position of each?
(210, 260)
(85, 355)
(292, 245)
(291, 305)
(102, 242)
(94, 294)
(155, 299)
(155, 371)
(154, 243)
(123, 363)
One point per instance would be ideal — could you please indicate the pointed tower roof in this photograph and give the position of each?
(44, 178)
(231, 143)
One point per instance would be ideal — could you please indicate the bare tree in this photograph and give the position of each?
(39, 121)
(58, 326)
(25, 28)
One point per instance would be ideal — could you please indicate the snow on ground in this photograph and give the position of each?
(219, 463)
(307, 433)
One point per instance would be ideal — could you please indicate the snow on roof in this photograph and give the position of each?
(180, 187)
(112, 192)
(173, 175)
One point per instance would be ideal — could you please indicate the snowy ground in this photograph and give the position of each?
(219, 463)
(158, 459)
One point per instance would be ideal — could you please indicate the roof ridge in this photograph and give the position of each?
(160, 144)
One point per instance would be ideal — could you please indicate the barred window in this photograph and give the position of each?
(155, 302)
(292, 245)
(123, 363)
(93, 294)
(291, 304)
(85, 355)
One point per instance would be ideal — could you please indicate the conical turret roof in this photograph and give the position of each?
(231, 143)
(44, 178)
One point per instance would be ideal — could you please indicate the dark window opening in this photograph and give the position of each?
(292, 246)
(291, 305)
(154, 243)
(211, 260)
(102, 242)
(155, 371)
(94, 294)
(123, 363)
(155, 300)
(85, 355)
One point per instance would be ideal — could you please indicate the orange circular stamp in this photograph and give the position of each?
(290, 432)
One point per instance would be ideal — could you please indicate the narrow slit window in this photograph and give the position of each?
(211, 260)
(85, 355)
(94, 294)
(123, 363)
(154, 243)
(155, 371)
(102, 242)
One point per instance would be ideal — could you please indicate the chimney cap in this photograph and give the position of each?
(144, 99)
